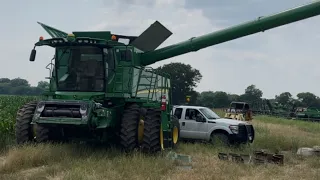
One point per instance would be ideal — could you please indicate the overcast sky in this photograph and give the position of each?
(278, 60)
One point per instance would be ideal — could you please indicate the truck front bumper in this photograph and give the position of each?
(246, 134)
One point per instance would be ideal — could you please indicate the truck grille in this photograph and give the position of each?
(250, 131)
(246, 132)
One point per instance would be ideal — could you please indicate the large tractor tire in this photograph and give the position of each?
(129, 127)
(152, 128)
(42, 133)
(175, 132)
(24, 130)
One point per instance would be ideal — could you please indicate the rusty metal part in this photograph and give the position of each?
(258, 157)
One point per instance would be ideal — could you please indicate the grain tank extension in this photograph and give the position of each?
(100, 87)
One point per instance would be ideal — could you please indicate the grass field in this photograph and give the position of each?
(79, 161)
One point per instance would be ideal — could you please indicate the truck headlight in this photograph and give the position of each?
(234, 129)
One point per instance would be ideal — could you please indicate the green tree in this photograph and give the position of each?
(19, 82)
(19, 86)
(233, 97)
(206, 98)
(220, 99)
(184, 79)
(4, 80)
(308, 99)
(43, 84)
(5, 88)
(251, 94)
(284, 98)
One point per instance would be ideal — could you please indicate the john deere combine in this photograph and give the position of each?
(100, 87)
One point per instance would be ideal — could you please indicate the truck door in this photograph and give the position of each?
(178, 114)
(191, 128)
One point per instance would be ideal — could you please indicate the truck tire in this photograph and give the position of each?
(151, 137)
(220, 136)
(129, 127)
(24, 130)
(176, 127)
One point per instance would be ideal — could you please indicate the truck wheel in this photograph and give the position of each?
(24, 130)
(175, 132)
(220, 137)
(129, 127)
(152, 129)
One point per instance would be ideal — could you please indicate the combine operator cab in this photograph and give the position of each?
(82, 68)
(239, 111)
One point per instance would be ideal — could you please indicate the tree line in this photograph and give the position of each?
(19, 86)
(184, 80)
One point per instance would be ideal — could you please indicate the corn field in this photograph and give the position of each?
(9, 106)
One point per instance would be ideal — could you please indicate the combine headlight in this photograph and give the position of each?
(40, 107)
(234, 129)
(83, 109)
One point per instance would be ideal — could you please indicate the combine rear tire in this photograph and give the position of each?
(129, 127)
(151, 137)
(24, 130)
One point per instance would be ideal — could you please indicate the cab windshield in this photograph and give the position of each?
(209, 113)
(82, 68)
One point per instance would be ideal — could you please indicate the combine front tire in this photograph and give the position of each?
(129, 127)
(152, 128)
(42, 134)
(24, 130)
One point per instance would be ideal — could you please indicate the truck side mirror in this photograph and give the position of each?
(33, 55)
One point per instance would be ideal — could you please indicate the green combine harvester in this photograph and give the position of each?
(101, 87)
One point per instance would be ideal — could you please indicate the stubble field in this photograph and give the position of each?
(80, 161)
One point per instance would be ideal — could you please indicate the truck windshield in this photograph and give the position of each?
(82, 68)
(209, 113)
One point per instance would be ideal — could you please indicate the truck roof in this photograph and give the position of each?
(187, 106)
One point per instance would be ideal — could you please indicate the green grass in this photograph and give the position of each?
(303, 125)
(80, 161)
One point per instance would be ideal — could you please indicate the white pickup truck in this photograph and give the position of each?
(201, 123)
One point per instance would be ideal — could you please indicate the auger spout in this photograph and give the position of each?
(259, 25)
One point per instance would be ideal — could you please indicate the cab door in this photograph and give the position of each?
(193, 129)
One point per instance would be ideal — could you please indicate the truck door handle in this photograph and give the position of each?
(183, 123)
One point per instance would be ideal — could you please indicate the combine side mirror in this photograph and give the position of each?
(33, 55)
